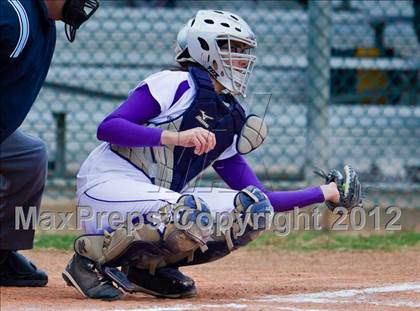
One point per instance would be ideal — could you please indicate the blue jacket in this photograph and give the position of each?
(27, 42)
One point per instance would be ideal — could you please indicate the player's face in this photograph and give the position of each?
(236, 49)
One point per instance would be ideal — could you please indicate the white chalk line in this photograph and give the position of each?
(342, 296)
(357, 296)
(347, 296)
(185, 307)
(177, 307)
(182, 307)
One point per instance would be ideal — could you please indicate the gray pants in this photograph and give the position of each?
(23, 171)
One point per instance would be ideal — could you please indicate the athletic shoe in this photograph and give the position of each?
(166, 283)
(16, 270)
(81, 274)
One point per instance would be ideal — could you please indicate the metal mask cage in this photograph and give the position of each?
(238, 75)
(79, 12)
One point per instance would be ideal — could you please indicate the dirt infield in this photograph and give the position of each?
(254, 279)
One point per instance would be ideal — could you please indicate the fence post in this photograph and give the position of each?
(318, 86)
(60, 156)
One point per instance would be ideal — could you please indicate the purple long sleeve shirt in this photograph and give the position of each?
(124, 127)
(237, 174)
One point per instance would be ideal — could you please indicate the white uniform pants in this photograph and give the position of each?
(125, 197)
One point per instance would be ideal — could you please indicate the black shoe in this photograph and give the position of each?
(166, 283)
(16, 270)
(81, 274)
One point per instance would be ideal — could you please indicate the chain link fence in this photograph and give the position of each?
(337, 82)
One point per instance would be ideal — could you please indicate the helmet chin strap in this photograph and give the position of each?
(75, 13)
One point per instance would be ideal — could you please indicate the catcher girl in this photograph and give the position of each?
(174, 125)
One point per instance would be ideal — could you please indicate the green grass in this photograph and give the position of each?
(301, 241)
(314, 241)
(54, 241)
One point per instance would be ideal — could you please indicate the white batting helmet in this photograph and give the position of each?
(211, 39)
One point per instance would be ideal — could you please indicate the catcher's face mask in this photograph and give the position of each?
(75, 13)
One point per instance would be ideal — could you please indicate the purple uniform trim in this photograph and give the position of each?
(124, 127)
(237, 174)
(182, 88)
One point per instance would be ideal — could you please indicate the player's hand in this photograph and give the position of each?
(330, 192)
(202, 140)
(342, 189)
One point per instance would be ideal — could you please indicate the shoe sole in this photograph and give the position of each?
(23, 283)
(191, 293)
(72, 283)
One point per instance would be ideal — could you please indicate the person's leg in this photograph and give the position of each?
(23, 169)
(121, 196)
(145, 256)
(223, 202)
(220, 200)
(126, 198)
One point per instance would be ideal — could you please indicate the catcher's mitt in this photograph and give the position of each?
(348, 186)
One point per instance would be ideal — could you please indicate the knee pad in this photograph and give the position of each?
(190, 225)
(252, 215)
(186, 229)
(254, 203)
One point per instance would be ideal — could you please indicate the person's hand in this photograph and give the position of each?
(331, 193)
(202, 140)
(341, 189)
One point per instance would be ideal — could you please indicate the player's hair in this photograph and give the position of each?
(182, 66)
